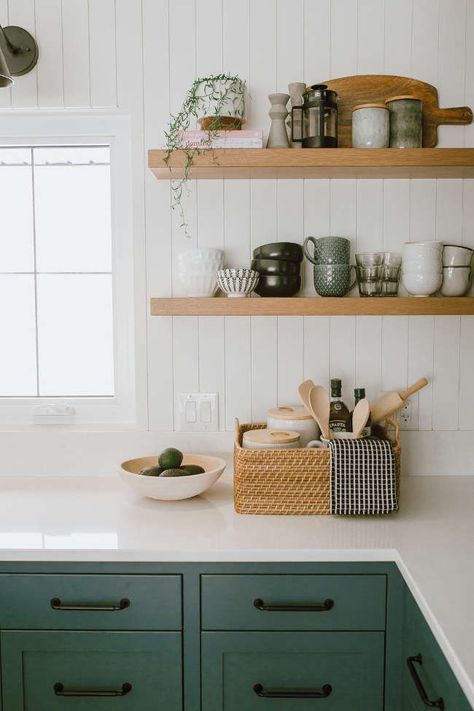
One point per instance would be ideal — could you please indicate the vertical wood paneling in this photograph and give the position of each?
(368, 355)
(370, 215)
(129, 43)
(317, 41)
(25, 90)
(342, 349)
(264, 366)
(425, 38)
(422, 210)
(103, 59)
(290, 358)
(290, 46)
(158, 220)
(420, 364)
(466, 384)
(446, 373)
(75, 25)
(394, 352)
(343, 38)
(451, 68)
(50, 68)
(469, 68)
(212, 360)
(238, 371)
(396, 214)
(316, 222)
(398, 39)
(371, 44)
(449, 211)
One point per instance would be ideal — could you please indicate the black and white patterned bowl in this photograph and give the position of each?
(237, 282)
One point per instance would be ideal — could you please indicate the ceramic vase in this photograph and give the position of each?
(296, 89)
(278, 136)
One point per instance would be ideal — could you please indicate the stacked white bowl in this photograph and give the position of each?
(196, 270)
(456, 270)
(422, 267)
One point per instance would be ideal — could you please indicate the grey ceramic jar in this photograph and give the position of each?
(406, 121)
(370, 126)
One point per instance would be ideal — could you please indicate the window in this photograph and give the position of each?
(65, 354)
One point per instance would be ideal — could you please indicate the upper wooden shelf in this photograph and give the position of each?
(318, 163)
(314, 306)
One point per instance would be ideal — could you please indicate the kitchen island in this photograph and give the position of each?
(96, 520)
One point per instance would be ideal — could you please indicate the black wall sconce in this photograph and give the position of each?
(18, 54)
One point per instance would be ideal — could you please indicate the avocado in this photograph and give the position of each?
(151, 471)
(170, 458)
(174, 472)
(192, 469)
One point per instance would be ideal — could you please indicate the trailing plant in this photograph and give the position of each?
(213, 97)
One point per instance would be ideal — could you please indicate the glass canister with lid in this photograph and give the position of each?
(296, 418)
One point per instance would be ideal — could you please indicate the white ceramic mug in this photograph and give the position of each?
(456, 256)
(456, 281)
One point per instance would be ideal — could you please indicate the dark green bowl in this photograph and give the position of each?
(277, 285)
(281, 267)
(279, 250)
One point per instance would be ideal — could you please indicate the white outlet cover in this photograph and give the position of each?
(198, 412)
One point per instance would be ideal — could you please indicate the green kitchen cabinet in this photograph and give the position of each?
(78, 671)
(426, 671)
(288, 670)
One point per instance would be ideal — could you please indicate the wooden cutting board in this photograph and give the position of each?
(376, 88)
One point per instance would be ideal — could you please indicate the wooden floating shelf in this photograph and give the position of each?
(318, 163)
(314, 306)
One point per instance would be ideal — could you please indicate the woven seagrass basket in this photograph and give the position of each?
(288, 481)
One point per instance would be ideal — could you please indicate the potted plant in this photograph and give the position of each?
(217, 103)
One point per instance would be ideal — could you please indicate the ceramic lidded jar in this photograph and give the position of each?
(296, 418)
(271, 439)
(406, 121)
(370, 126)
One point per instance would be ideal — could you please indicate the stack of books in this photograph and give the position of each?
(221, 139)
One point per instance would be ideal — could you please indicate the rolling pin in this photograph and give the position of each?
(392, 402)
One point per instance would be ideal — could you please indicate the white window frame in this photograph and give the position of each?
(54, 128)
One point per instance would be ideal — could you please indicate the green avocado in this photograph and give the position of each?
(192, 469)
(151, 471)
(170, 458)
(174, 472)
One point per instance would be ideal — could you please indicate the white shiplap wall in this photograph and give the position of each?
(142, 55)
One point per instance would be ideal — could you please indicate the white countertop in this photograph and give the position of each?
(95, 519)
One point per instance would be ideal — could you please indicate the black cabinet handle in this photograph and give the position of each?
(293, 693)
(287, 607)
(56, 604)
(418, 659)
(59, 690)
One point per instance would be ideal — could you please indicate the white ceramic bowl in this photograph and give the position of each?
(419, 265)
(172, 488)
(456, 256)
(192, 256)
(414, 250)
(237, 282)
(456, 281)
(422, 283)
(431, 244)
(197, 284)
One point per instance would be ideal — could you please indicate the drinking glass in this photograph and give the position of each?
(370, 280)
(369, 259)
(390, 280)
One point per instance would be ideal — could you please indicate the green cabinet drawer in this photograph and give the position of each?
(334, 671)
(99, 671)
(255, 602)
(432, 669)
(120, 602)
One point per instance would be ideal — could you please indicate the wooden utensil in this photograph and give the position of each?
(376, 88)
(360, 417)
(392, 402)
(319, 401)
(303, 391)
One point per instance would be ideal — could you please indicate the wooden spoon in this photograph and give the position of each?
(360, 417)
(390, 403)
(303, 391)
(319, 401)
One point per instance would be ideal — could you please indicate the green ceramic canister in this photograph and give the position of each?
(406, 121)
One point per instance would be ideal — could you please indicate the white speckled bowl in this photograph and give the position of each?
(237, 282)
(171, 488)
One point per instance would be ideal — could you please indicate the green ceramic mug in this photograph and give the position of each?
(333, 279)
(328, 250)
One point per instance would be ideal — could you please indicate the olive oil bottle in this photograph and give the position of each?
(339, 415)
(359, 394)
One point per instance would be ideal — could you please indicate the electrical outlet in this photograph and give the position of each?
(198, 412)
(405, 414)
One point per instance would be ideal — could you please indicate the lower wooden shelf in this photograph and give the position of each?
(314, 306)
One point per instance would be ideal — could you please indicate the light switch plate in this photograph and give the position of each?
(198, 412)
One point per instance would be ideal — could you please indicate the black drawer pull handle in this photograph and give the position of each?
(293, 693)
(284, 607)
(59, 690)
(56, 604)
(418, 659)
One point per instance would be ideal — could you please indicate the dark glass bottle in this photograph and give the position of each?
(359, 394)
(339, 415)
